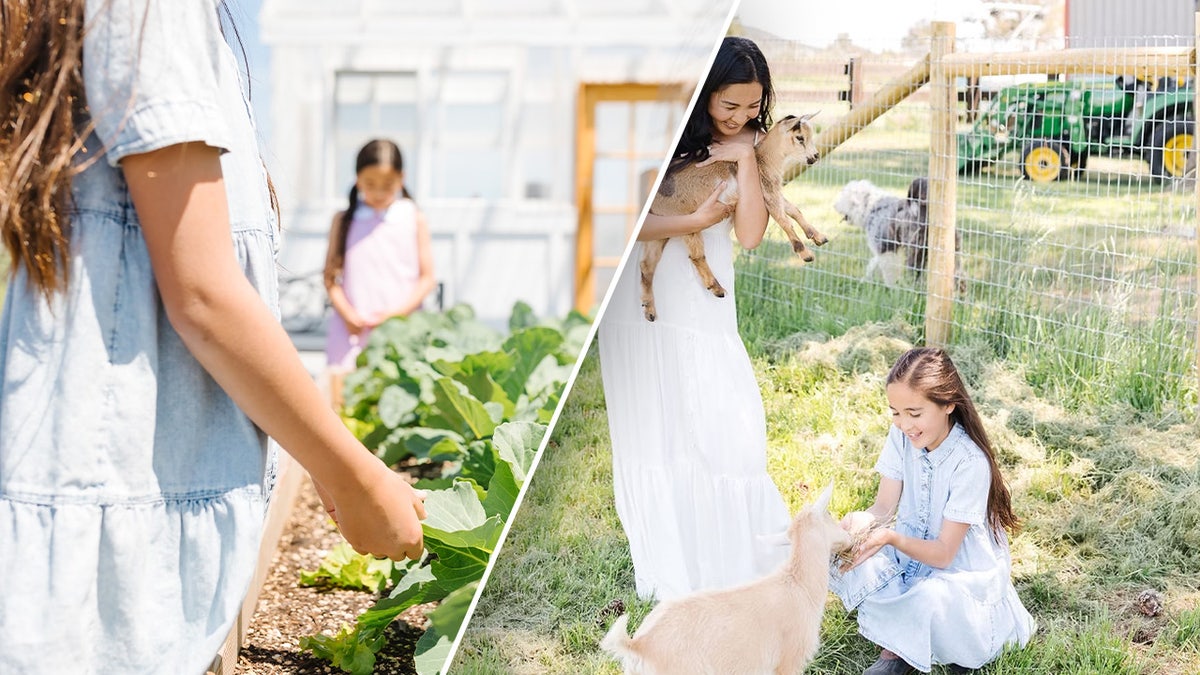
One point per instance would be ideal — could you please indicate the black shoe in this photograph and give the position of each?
(956, 669)
(888, 667)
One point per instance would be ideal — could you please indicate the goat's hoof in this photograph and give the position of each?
(806, 255)
(649, 314)
(820, 239)
(717, 290)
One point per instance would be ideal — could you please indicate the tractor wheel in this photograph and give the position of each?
(1171, 145)
(1044, 161)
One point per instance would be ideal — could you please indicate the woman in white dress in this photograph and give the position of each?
(684, 410)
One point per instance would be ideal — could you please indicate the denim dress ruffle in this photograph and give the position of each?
(964, 614)
(132, 489)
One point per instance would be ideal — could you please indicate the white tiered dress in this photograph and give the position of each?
(688, 430)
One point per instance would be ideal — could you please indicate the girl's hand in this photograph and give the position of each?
(857, 521)
(379, 317)
(712, 211)
(870, 546)
(728, 152)
(355, 324)
(383, 517)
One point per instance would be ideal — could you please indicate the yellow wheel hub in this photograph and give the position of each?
(1043, 164)
(1175, 154)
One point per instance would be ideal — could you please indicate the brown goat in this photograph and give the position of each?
(789, 143)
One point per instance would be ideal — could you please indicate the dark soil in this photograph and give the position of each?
(287, 611)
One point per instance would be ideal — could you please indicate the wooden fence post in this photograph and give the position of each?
(1196, 172)
(943, 172)
(853, 94)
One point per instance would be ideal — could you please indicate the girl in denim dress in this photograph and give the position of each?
(937, 587)
(142, 365)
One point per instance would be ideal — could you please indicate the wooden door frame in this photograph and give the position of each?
(585, 155)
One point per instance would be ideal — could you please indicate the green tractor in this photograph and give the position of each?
(1058, 125)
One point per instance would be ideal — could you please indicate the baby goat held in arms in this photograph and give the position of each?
(789, 143)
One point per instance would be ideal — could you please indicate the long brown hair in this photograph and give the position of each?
(738, 60)
(44, 124)
(41, 91)
(379, 152)
(930, 371)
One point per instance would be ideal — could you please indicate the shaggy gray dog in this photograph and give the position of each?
(891, 223)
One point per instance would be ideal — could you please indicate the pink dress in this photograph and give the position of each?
(379, 272)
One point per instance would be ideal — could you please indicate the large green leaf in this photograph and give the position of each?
(517, 443)
(497, 363)
(448, 618)
(522, 317)
(431, 653)
(502, 491)
(436, 445)
(528, 347)
(455, 567)
(461, 411)
(397, 406)
(483, 387)
(455, 509)
(417, 587)
(479, 462)
(483, 536)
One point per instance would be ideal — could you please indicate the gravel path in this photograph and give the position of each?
(287, 611)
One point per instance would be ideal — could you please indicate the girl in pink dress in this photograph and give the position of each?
(380, 261)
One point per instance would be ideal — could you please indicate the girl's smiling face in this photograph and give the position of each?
(925, 423)
(378, 185)
(731, 107)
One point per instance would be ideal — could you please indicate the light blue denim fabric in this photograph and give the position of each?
(962, 614)
(132, 489)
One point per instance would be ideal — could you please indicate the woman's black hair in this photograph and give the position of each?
(738, 61)
(379, 152)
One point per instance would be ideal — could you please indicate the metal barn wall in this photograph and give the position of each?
(1130, 23)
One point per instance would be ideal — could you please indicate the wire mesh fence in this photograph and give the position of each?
(1062, 178)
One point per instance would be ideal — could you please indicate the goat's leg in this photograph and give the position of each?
(809, 231)
(695, 249)
(651, 253)
(779, 214)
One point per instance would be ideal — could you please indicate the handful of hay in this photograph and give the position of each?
(847, 556)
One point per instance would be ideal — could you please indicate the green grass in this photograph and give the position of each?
(1110, 503)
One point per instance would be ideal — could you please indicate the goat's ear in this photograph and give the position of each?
(822, 503)
(809, 116)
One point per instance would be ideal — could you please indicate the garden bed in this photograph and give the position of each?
(287, 611)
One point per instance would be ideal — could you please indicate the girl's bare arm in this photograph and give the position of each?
(938, 552)
(179, 194)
